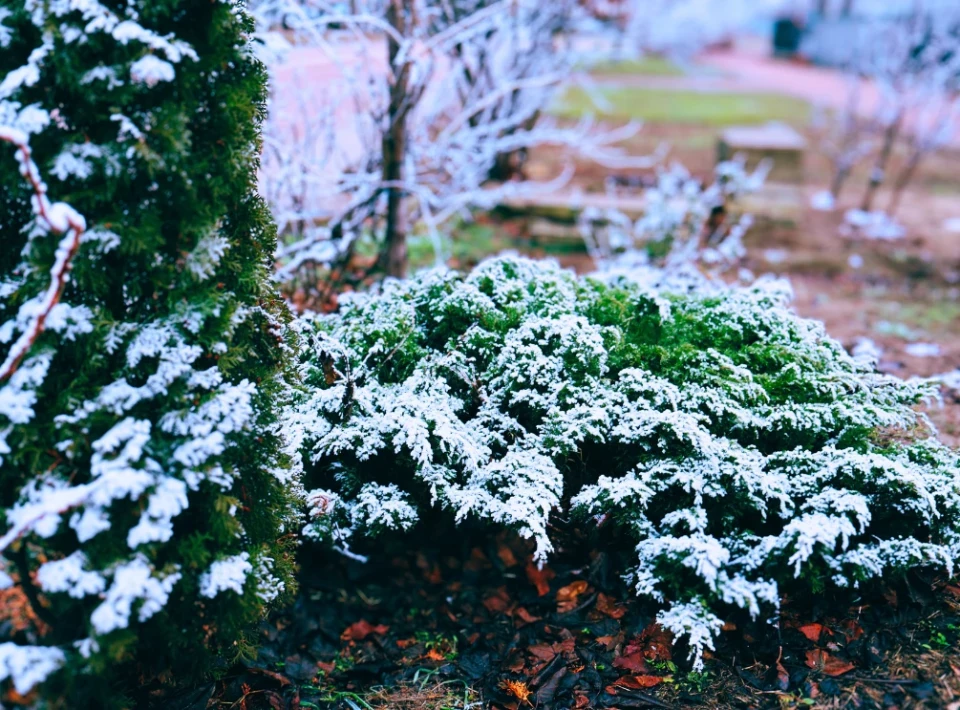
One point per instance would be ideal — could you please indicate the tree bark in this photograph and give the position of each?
(878, 174)
(393, 255)
(903, 179)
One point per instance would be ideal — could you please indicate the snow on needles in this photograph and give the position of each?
(481, 390)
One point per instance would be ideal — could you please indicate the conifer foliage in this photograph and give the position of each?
(145, 488)
(744, 451)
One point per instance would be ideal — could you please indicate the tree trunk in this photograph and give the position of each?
(903, 179)
(878, 174)
(393, 255)
(840, 176)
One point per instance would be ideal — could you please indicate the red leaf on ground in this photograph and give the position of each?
(506, 556)
(814, 632)
(540, 577)
(852, 630)
(360, 630)
(524, 615)
(542, 652)
(580, 700)
(608, 607)
(567, 596)
(281, 680)
(497, 602)
(656, 643)
(830, 665)
(608, 642)
(639, 682)
(783, 678)
(634, 662)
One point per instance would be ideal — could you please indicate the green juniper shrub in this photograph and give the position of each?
(147, 494)
(744, 452)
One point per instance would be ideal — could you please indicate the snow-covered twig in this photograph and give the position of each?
(58, 218)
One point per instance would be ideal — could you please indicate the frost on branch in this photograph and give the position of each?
(735, 443)
(687, 228)
(143, 354)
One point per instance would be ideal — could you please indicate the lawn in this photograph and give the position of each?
(650, 65)
(684, 107)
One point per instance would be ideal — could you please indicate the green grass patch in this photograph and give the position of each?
(689, 107)
(647, 66)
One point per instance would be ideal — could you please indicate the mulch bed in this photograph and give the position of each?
(486, 628)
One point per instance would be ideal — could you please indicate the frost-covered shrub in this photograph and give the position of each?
(145, 491)
(686, 225)
(742, 449)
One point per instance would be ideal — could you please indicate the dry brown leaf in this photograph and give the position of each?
(506, 556)
(567, 596)
(542, 652)
(518, 689)
(829, 665)
(783, 678)
(634, 662)
(524, 615)
(608, 607)
(813, 632)
(639, 682)
(498, 601)
(360, 630)
(540, 577)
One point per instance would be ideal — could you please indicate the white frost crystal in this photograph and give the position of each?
(228, 573)
(730, 439)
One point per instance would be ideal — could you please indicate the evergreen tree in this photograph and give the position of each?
(145, 486)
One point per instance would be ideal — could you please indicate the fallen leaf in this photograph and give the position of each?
(506, 556)
(567, 596)
(639, 682)
(608, 642)
(783, 678)
(634, 662)
(607, 607)
(852, 630)
(657, 643)
(542, 651)
(540, 577)
(524, 615)
(518, 689)
(814, 632)
(498, 601)
(829, 665)
(360, 630)
(548, 691)
(580, 700)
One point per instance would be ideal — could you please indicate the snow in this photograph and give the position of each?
(229, 573)
(27, 666)
(867, 352)
(922, 349)
(133, 582)
(202, 261)
(484, 419)
(70, 576)
(151, 70)
(823, 201)
(874, 225)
